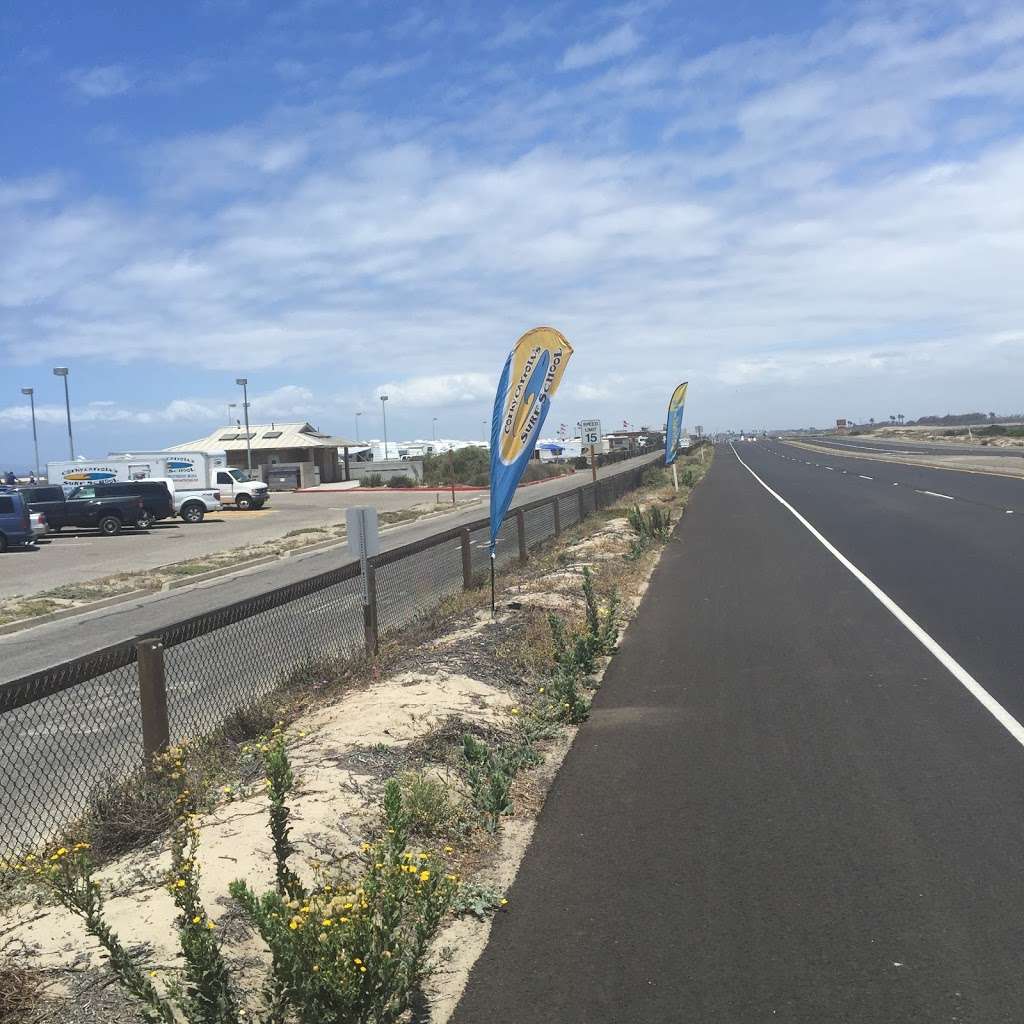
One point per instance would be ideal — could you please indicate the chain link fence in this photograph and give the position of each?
(68, 731)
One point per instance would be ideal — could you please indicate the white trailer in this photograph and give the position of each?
(191, 503)
(200, 471)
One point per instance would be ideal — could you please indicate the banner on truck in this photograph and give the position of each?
(674, 424)
(532, 373)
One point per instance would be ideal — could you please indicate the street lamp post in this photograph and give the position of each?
(358, 414)
(231, 405)
(484, 423)
(35, 440)
(62, 371)
(384, 413)
(244, 383)
(433, 428)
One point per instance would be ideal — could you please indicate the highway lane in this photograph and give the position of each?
(38, 648)
(941, 543)
(784, 807)
(890, 446)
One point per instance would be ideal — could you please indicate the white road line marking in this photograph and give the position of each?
(973, 687)
(830, 469)
(935, 494)
(863, 477)
(1009, 511)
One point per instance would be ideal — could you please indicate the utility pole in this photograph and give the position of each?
(231, 405)
(35, 440)
(244, 382)
(358, 414)
(62, 371)
(384, 413)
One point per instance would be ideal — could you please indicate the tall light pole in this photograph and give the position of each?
(62, 371)
(231, 405)
(433, 428)
(244, 383)
(35, 440)
(484, 422)
(358, 414)
(384, 412)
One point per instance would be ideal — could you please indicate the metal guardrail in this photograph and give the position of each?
(65, 731)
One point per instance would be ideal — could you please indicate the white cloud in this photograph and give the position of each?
(811, 211)
(440, 390)
(101, 82)
(29, 190)
(617, 43)
(288, 402)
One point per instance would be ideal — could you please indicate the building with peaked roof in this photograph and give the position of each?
(281, 449)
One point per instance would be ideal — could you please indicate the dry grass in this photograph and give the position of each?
(20, 992)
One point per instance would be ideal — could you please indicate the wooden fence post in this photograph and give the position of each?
(557, 515)
(370, 611)
(521, 530)
(467, 561)
(153, 697)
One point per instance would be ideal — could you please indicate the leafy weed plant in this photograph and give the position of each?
(347, 949)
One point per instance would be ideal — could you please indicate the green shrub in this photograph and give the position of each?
(402, 480)
(655, 525)
(371, 480)
(490, 781)
(688, 477)
(428, 804)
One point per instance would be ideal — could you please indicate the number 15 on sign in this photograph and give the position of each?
(591, 438)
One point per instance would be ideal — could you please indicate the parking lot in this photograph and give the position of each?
(74, 556)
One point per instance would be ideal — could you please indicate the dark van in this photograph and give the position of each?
(157, 503)
(15, 524)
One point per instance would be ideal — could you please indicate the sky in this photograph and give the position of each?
(809, 211)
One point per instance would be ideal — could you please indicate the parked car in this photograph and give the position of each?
(82, 507)
(39, 525)
(15, 521)
(157, 500)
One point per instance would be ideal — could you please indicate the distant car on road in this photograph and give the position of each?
(15, 521)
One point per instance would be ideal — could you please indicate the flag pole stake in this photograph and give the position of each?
(675, 477)
(492, 583)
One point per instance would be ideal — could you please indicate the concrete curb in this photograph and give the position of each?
(79, 609)
(212, 574)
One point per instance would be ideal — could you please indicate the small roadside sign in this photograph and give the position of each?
(591, 432)
(363, 534)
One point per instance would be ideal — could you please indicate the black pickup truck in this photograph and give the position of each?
(84, 509)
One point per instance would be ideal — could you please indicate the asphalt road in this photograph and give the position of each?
(893, 446)
(784, 806)
(42, 646)
(74, 556)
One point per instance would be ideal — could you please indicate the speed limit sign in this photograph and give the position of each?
(591, 432)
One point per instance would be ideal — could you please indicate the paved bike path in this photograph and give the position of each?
(782, 809)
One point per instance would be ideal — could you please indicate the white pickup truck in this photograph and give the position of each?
(191, 506)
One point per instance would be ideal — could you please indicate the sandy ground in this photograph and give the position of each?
(341, 755)
(939, 434)
(1008, 466)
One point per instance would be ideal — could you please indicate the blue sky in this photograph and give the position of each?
(808, 210)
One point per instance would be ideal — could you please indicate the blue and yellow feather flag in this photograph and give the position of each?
(528, 382)
(674, 424)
